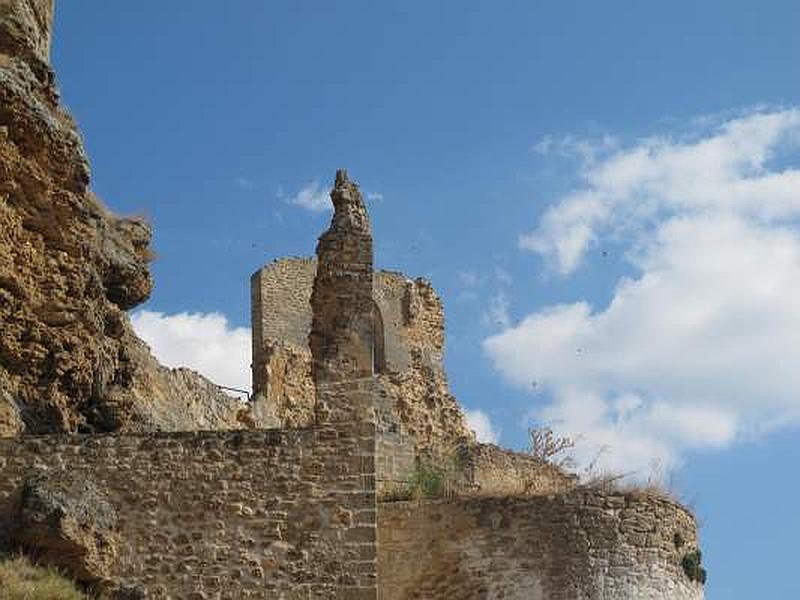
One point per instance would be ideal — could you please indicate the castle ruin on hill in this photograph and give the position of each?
(145, 482)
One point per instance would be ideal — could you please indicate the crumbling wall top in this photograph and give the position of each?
(342, 339)
(349, 210)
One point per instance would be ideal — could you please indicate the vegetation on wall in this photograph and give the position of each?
(426, 480)
(693, 568)
(544, 444)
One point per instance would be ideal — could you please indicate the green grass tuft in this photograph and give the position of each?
(427, 480)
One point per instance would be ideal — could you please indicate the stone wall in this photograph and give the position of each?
(495, 471)
(283, 386)
(577, 546)
(413, 322)
(268, 514)
(416, 394)
(412, 316)
(280, 295)
(395, 459)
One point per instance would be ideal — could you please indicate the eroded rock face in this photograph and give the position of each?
(65, 521)
(69, 269)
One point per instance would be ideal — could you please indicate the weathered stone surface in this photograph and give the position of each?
(410, 332)
(573, 546)
(286, 396)
(25, 27)
(354, 357)
(232, 515)
(493, 471)
(126, 592)
(67, 522)
(342, 337)
(69, 269)
(10, 418)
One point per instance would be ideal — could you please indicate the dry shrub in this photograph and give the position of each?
(557, 450)
(22, 580)
(659, 483)
(554, 449)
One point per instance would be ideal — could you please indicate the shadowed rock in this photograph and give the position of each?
(68, 523)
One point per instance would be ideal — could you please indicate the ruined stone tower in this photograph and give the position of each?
(322, 322)
(342, 332)
(312, 505)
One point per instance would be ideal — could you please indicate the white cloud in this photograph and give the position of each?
(479, 422)
(725, 170)
(699, 349)
(204, 342)
(374, 196)
(312, 197)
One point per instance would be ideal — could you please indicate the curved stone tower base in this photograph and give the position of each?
(581, 545)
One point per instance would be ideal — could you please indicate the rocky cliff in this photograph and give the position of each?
(69, 271)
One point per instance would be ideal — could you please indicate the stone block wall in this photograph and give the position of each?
(412, 316)
(413, 322)
(495, 471)
(256, 514)
(280, 312)
(280, 292)
(394, 460)
(576, 546)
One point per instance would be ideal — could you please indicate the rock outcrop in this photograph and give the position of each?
(69, 271)
(67, 522)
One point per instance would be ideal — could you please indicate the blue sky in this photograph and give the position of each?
(605, 194)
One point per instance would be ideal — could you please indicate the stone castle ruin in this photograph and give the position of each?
(147, 482)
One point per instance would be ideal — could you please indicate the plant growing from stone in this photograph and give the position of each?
(544, 444)
(692, 566)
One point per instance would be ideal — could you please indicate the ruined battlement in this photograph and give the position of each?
(342, 337)
(306, 312)
(350, 397)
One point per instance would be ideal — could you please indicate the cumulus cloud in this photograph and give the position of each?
(722, 170)
(312, 197)
(205, 342)
(479, 422)
(697, 349)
